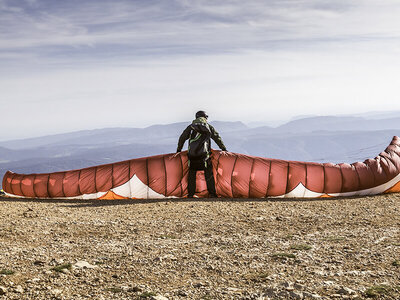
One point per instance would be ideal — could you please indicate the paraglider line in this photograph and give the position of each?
(95, 176)
(358, 176)
(387, 175)
(112, 176)
(147, 175)
(180, 181)
(373, 174)
(269, 178)
(62, 185)
(354, 154)
(233, 169)
(33, 185)
(341, 174)
(12, 190)
(305, 183)
(324, 181)
(79, 184)
(287, 175)
(47, 186)
(165, 175)
(391, 160)
(287, 178)
(251, 172)
(216, 169)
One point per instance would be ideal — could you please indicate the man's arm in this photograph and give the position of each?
(184, 136)
(215, 136)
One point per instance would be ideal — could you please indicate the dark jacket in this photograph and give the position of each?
(199, 134)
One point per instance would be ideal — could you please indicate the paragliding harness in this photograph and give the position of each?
(199, 145)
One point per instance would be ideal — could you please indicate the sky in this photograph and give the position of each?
(76, 65)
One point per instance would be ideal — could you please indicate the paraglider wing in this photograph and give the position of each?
(236, 176)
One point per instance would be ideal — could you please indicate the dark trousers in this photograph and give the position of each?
(195, 166)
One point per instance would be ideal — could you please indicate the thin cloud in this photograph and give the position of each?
(186, 24)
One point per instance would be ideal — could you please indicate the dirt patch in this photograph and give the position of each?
(200, 249)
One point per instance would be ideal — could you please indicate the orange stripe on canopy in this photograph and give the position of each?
(110, 195)
(394, 189)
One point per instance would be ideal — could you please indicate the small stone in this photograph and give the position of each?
(18, 289)
(182, 293)
(340, 273)
(299, 286)
(270, 292)
(56, 262)
(135, 289)
(296, 295)
(56, 292)
(318, 272)
(65, 271)
(355, 273)
(283, 294)
(346, 291)
(39, 263)
(285, 284)
(83, 264)
(198, 285)
(307, 295)
(3, 290)
(159, 297)
(142, 287)
(170, 257)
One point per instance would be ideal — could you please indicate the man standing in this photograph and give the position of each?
(199, 151)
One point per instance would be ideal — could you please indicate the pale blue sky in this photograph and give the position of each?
(72, 65)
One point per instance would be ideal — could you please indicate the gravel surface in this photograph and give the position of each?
(200, 249)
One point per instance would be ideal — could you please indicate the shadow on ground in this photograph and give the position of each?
(77, 203)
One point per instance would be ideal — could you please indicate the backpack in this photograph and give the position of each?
(199, 141)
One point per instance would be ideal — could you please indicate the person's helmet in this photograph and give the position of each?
(201, 113)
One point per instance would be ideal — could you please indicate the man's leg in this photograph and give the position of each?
(191, 182)
(208, 174)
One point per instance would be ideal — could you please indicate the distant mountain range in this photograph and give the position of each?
(316, 138)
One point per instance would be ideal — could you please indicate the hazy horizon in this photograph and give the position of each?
(371, 115)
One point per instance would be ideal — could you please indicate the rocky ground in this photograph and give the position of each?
(203, 249)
